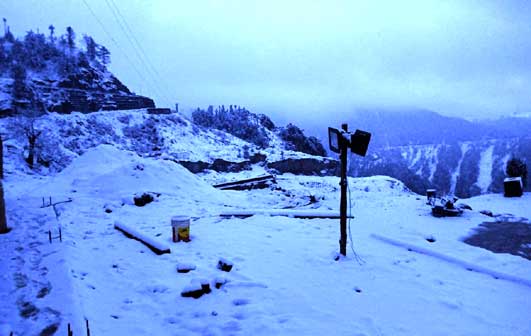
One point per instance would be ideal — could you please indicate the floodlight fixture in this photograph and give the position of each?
(359, 142)
(334, 139)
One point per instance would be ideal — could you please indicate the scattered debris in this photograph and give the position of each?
(145, 198)
(445, 208)
(431, 239)
(464, 206)
(27, 309)
(194, 290)
(50, 330)
(225, 265)
(185, 267)
(487, 213)
(205, 286)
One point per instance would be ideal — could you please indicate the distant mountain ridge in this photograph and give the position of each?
(421, 127)
(427, 150)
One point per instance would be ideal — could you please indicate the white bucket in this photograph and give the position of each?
(180, 228)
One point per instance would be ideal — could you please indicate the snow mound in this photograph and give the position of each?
(109, 172)
(379, 183)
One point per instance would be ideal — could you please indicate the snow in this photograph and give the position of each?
(464, 149)
(284, 281)
(485, 168)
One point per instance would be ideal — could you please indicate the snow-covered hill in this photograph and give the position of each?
(54, 73)
(285, 280)
(169, 136)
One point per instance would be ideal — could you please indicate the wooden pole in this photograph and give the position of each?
(343, 145)
(3, 220)
(1, 158)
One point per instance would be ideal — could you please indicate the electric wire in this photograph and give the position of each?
(129, 36)
(142, 78)
(356, 256)
(139, 57)
(139, 45)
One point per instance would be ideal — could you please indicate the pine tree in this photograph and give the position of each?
(91, 47)
(52, 37)
(517, 168)
(71, 40)
(104, 55)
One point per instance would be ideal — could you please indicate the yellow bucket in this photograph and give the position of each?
(180, 228)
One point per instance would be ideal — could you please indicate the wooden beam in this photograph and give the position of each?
(308, 214)
(130, 232)
(251, 183)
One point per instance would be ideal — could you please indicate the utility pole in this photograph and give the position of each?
(340, 142)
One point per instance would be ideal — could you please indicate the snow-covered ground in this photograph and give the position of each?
(285, 280)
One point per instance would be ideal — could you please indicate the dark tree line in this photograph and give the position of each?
(251, 127)
(237, 121)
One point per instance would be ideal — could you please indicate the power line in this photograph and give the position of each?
(142, 78)
(138, 44)
(130, 37)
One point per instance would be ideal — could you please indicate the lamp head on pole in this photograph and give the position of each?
(358, 142)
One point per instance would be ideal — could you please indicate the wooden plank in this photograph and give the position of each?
(246, 184)
(130, 232)
(307, 214)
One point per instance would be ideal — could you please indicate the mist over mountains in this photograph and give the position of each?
(427, 150)
(420, 147)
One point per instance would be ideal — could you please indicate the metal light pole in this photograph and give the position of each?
(343, 147)
(340, 142)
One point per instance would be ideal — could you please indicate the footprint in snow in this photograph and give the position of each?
(240, 302)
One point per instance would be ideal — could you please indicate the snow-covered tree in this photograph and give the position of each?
(104, 55)
(91, 47)
(71, 40)
(517, 168)
(20, 87)
(52, 37)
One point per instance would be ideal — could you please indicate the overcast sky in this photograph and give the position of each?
(308, 60)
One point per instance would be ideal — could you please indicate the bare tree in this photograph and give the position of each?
(32, 135)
